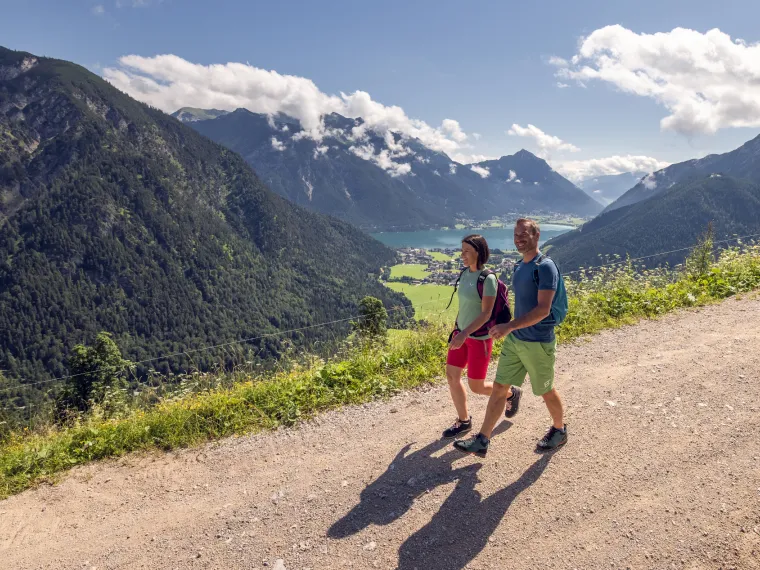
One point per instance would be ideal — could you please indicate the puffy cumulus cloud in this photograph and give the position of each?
(706, 81)
(452, 168)
(320, 150)
(169, 82)
(483, 172)
(383, 159)
(453, 130)
(512, 176)
(650, 182)
(577, 170)
(562, 85)
(546, 142)
(277, 145)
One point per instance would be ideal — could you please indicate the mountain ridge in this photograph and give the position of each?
(742, 162)
(386, 182)
(671, 220)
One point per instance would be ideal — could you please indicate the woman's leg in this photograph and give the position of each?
(478, 359)
(458, 393)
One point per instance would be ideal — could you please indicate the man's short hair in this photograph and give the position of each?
(532, 224)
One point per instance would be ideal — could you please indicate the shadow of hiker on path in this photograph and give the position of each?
(460, 529)
(392, 494)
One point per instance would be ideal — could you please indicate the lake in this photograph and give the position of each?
(498, 238)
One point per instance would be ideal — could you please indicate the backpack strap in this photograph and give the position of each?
(539, 258)
(456, 286)
(482, 280)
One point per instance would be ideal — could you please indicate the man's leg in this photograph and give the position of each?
(496, 404)
(554, 404)
(539, 360)
(510, 372)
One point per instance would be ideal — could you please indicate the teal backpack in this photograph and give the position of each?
(559, 303)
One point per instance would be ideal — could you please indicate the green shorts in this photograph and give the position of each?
(519, 358)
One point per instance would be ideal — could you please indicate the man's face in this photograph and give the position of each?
(525, 239)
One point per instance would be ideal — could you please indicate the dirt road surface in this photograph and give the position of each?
(662, 470)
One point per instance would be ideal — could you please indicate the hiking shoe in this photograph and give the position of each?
(476, 445)
(458, 428)
(513, 403)
(553, 439)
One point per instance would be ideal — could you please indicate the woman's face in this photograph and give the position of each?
(469, 255)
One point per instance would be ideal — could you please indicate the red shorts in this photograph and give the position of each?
(474, 355)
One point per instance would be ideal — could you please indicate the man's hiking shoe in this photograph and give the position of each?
(513, 403)
(459, 428)
(476, 445)
(553, 439)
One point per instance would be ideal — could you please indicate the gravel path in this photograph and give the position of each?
(662, 470)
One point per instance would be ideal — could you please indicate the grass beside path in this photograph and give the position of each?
(609, 299)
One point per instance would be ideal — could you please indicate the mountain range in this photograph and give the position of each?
(383, 181)
(115, 216)
(669, 209)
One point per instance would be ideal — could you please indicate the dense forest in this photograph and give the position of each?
(116, 217)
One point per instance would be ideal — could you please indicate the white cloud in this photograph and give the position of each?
(597, 191)
(453, 130)
(546, 142)
(436, 173)
(512, 176)
(98, 10)
(134, 3)
(452, 168)
(169, 82)
(706, 81)
(577, 170)
(476, 136)
(383, 159)
(558, 61)
(320, 150)
(285, 128)
(650, 182)
(562, 85)
(483, 172)
(277, 145)
(471, 158)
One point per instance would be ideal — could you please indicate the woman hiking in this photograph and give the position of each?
(465, 350)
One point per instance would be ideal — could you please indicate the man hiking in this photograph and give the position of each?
(529, 346)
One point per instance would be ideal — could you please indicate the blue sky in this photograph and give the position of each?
(483, 64)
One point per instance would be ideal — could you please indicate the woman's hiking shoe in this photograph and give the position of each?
(553, 439)
(513, 403)
(458, 428)
(476, 445)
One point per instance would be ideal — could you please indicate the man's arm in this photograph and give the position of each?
(542, 310)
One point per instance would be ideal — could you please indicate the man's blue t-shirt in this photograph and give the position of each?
(526, 297)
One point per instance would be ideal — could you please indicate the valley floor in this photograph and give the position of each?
(662, 470)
